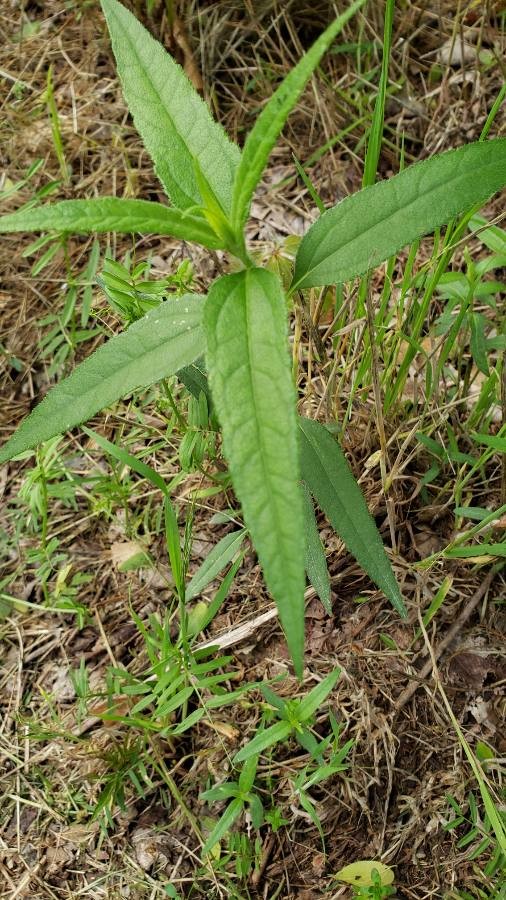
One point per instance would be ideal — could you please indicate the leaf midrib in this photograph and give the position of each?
(167, 117)
(378, 187)
(258, 429)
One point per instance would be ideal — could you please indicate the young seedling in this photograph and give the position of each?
(241, 795)
(316, 772)
(242, 322)
(296, 717)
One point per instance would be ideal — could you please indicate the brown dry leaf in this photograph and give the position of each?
(149, 847)
(127, 555)
(427, 542)
(483, 713)
(57, 858)
(455, 53)
(224, 728)
(79, 834)
(471, 670)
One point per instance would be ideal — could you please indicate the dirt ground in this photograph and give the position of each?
(392, 802)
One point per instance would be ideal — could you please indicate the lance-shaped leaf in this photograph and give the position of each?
(375, 223)
(249, 375)
(111, 214)
(219, 557)
(316, 563)
(269, 124)
(156, 346)
(173, 121)
(330, 480)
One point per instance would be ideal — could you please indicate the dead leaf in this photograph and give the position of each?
(129, 555)
(78, 834)
(471, 670)
(456, 52)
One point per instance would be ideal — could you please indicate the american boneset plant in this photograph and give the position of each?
(243, 321)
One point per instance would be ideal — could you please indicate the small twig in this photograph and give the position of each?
(266, 852)
(244, 631)
(448, 638)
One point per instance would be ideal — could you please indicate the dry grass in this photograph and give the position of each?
(406, 758)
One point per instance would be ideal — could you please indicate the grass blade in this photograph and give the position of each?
(218, 558)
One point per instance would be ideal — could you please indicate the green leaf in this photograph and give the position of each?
(233, 810)
(310, 704)
(194, 378)
(478, 342)
(248, 773)
(256, 809)
(213, 607)
(375, 223)
(217, 559)
(477, 550)
(267, 127)
(330, 480)
(174, 122)
(494, 441)
(316, 562)
(111, 214)
(250, 380)
(163, 341)
(127, 459)
(361, 873)
(264, 739)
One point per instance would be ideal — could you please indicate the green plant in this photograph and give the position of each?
(319, 770)
(296, 717)
(241, 795)
(368, 878)
(242, 322)
(476, 834)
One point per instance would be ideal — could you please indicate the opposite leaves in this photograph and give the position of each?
(249, 374)
(163, 341)
(373, 224)
(174, 123)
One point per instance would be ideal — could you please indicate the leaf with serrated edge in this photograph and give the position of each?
(330, 480)
(375, 223)
(250, 379)
(111, 214)
(163, 341)
(269, 124)
(173, 121)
